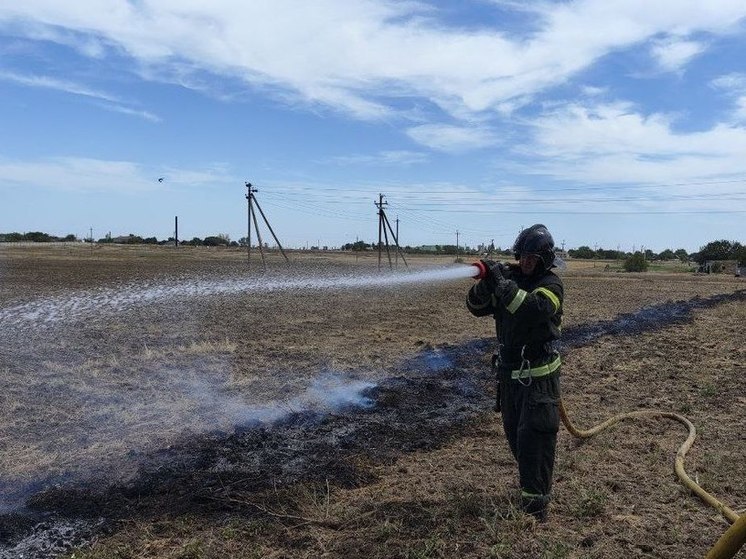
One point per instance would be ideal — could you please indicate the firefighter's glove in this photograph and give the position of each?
(496, 280)
(494, 272)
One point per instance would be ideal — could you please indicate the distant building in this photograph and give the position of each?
(720, 267)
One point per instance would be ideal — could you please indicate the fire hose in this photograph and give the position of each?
(735, 537)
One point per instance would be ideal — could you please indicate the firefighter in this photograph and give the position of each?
(525, 300)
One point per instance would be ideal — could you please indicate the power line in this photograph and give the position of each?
(394, 189)
(577, 212)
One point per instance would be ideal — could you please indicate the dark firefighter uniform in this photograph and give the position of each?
(528, 316)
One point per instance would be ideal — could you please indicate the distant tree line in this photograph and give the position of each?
(715, 250)
(213, 240)
(427, 249)
(721, 250)
(131, 239)
(36, 237)
(586, 252)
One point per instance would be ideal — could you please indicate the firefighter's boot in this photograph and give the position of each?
(535, 505)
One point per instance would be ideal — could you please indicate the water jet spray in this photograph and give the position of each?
(81, 305)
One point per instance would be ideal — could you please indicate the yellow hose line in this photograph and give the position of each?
(726, 511)
(730, 542)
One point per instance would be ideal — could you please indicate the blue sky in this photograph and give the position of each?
(617, 123)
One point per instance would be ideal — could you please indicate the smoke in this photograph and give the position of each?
(108, 432)
(327, 393)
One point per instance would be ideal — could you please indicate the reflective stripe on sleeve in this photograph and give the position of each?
(549, 295)
(516, 302)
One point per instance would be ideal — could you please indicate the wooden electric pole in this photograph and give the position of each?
(252, 201)
(384, 226)
(397, 241)
(249, 198)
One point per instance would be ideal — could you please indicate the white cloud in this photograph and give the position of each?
(110, 102)
(734, 82)
(740, 113)
(613, 143)
(450, 138)
(359, 56)
(79, 174)
(592, 91)
(734, 85)
(47, 82)
(390, 157)
(147, 115)
(673, 54)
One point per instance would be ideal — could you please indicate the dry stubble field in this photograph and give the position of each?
(252, 421)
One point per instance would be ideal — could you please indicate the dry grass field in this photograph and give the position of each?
(171, 403)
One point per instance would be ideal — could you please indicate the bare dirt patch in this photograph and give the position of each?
(203, 426)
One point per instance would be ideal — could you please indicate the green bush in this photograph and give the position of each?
(636, 263)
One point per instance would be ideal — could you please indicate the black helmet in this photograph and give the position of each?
(536, 240)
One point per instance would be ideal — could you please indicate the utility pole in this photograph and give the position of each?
(380, 204)
(252, 201)
(176, 231)
(384, 226)
(457, 245)
(249, 198)
(397, 241)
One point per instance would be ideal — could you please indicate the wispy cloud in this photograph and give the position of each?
(367, 57)
(673, 54)
(76, 174)
(392, 158)
(109, 101)
(147, 115)
(47, 82)
(731, 83)
(740, 112)
(451, 138)
(80, 174)
(734, 85)
(615, 143)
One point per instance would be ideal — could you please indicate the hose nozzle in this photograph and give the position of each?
(482, 267)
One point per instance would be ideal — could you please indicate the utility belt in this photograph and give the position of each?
(536, 352)
(524, 368)
(524, 373)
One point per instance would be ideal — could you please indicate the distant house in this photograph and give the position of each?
(720, 267)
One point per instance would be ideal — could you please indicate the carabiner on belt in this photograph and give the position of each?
(525, 366)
